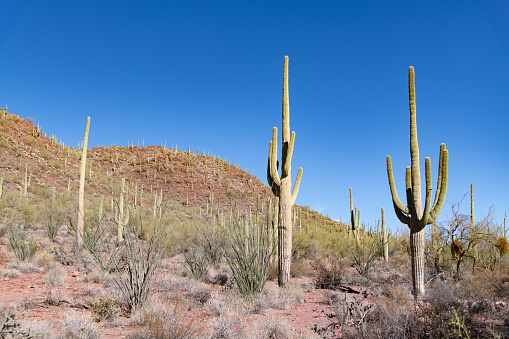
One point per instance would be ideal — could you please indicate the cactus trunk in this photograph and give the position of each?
(417, 256)
(385, 240)
(81, 192)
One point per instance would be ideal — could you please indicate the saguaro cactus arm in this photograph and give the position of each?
(273, 164)
(296, 186)
(401, 210)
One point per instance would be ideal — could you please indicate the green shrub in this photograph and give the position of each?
(249, 253)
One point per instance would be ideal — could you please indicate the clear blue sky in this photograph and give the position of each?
(208, 74)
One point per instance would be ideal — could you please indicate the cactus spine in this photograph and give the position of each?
(385, 240)
(413, 214)
(81, 192)
(281, 186)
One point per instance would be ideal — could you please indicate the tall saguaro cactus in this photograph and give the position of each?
(281, 186)
(413, 214)
(81, 192)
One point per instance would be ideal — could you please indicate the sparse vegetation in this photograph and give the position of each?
(187, 264)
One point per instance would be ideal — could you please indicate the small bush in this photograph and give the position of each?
(330, 273)
(24, 266)
(55, 276)
(168, 320)
(55, 297)
(273, 328)
(226, 328)
(105, 308)
(23, 249)
(249, 253)
(142, 260)
(9, 273)
(79, 326)
(282, 298)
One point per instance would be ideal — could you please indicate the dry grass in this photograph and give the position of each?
(55, 275)
(77, 325)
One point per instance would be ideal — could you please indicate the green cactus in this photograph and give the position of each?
(281, 186)
(120, 218)
(81, 192)
(1, 186)
(101, 203)
(385, 239)
(355, 220)
(413, 214)
(505, 218)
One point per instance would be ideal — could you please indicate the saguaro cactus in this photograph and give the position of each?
(413, 214)
(385, 239)
(472, 215)
(120, 218)
(355, 220)
(81, 192)
(281, 186)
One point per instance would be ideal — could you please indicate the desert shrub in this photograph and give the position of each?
(44, 259)
(23, 248)
(282, 298)
(62, 255)
(105, 308)
(197, 293)
(350, 315)
(222, 277)
(9, 325)
(141, 261)
(55, 276)
(249, 252)
(196, 261)
(79, 326)
(300, 269)
(98, 242)
(168, 320)
(364, 256)
(55, 296)
(273, 328)
(226, 328)
(330, 272)
(24, 266)
(9, 273)
(53, 218)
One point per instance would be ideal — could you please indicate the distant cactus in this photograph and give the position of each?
(413, 214)
(355, 220)
(81, 192)
(281, 186)
(120, 218)
(385, 239)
